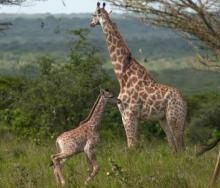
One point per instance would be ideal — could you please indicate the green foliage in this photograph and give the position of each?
(25, 164)
(204, 114)
(27, 35)
(60, 96)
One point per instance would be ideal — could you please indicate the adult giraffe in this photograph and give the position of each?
(141, 97)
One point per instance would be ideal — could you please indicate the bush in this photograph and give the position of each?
(204, 116)
(61, 95)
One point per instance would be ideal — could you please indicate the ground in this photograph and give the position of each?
(25, 164)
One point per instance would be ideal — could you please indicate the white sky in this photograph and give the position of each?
(53, 6)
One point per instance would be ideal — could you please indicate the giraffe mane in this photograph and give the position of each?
(91, 111)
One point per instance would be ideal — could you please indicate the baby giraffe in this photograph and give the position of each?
(84, 138)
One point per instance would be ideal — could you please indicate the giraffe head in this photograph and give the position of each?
(108, 96)
(99, 16)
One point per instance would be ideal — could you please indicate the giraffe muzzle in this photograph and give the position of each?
(118, 101)
(92, 25)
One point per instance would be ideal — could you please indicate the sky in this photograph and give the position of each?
(53, 6)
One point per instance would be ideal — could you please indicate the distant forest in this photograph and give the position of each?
(49, 34)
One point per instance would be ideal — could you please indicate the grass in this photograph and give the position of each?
(25, 164)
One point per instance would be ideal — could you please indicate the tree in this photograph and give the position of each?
(199, 19)
(14, 2)
(5, 25)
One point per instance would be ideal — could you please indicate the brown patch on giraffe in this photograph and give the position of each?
(154, 87)
(133, 67)
(117, 67)
(128, 100)
(146, 109)
(120, 58)
(118, 44)
(139, 83)
(130, 81)
(142, 93)
(124, 98)
(135, 94)
(110, 38)
(149, 101)
(114, 57)
(153, 97)
(149, 90)
(134, 79)
(122, 51)
(112, 48)
(145, 76)
(122, 83)
(157, 104)
(158, 96)
(122, 90)
(125, 77)
(145, 96)
(137, 88)
(128, 84)
(114, 41)
(140, 73)
(163, 91)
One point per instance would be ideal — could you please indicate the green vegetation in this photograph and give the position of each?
(25, 164)
(49, 87)
(28, 36)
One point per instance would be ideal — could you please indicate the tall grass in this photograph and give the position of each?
(25, 164)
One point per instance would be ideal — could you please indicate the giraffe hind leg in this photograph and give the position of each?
(175, 120)
(57, 166)
(177, 131)
(169, 135)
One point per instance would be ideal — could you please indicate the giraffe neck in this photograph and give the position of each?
(117, 47)
(96, 113)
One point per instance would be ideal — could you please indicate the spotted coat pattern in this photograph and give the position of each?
(141, 96)
(84, 138)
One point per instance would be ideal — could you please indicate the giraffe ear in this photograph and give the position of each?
(102, 91)
(103, 5)
(98, 4)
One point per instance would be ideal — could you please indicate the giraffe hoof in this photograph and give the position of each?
(62, 183)
(87, 180)
(132, 146)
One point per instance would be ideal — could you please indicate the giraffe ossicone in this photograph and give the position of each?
(140, 95)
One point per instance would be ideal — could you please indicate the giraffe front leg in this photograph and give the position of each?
(90, 155)
(130, 125)
(169, 135)
(90, 164)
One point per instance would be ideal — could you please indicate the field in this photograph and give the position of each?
(49, 79)
(26, 164)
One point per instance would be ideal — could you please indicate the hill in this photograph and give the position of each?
(49, 34)
(167, 55)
